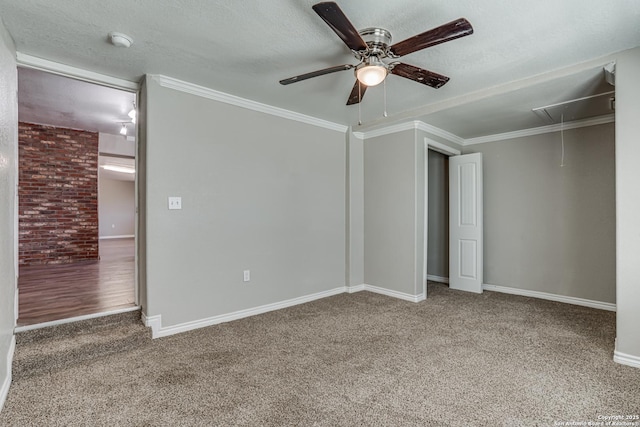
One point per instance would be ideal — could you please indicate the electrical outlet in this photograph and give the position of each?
(175, 202)
(247, 275)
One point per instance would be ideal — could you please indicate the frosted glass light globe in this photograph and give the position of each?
(371, 75)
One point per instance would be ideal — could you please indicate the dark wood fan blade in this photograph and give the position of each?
(331, 13)
(419, 75)
(316, 74)
(444, 33)
(356, 96)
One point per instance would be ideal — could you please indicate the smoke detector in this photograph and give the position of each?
(120, 40)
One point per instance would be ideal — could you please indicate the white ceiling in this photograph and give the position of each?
(245, 48)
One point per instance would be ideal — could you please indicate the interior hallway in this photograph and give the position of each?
(54, 292)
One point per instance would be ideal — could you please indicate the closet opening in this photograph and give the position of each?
(438, 217)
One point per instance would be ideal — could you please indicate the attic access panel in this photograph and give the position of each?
(577, 109)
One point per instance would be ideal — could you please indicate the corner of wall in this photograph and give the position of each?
(4, 387)
(355, 210)
(9, 207)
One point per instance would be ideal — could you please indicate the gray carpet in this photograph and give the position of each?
(54, 348)
(457, 359)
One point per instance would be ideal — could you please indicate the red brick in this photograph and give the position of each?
(57, 192)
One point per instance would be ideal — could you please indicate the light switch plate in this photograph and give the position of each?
(175, 202)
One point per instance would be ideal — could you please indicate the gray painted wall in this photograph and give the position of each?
(259, 193)
(116, 144)
(549, 228)
(628, 202)
(438, 215)
(116, 207)
(8, 217)
(394, 212)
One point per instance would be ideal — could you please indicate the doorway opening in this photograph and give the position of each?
(438, 217)
(465, 225)
(76, 199)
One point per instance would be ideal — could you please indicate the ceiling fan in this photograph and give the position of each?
(371, 45)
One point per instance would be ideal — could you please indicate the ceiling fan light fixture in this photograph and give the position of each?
(116, 168)
(371, 72)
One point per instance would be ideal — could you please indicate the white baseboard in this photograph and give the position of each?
(552, 297)
(125, 236)
(4, 389)
(155, 323)
(394, 294)
(626, 359)
(158, 331)
(439, 279)
(74, 319)
(354, 289)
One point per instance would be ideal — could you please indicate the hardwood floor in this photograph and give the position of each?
(55, 292)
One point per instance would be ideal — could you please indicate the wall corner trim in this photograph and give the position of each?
(4, 388)
(551, 297)
(153, 322)
(356, 288)
(204, 92)
(626, 359)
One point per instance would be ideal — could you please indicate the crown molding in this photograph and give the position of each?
(419, 125)
(541, 130)
(412, 125)
(204, 92)
(439, 132)
(28, 61)
(399, 127)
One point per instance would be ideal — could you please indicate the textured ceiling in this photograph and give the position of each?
(245, 48)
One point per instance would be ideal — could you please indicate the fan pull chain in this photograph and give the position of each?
(359, 105)
(562, 138)
(384, 88)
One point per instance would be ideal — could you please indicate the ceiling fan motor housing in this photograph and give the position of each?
(378, 40)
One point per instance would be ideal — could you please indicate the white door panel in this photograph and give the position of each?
(465, 222)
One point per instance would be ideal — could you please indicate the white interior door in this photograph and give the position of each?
(465, 223)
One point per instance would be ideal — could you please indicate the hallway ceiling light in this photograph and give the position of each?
(115, 168)
(123, 130)
(133, 114)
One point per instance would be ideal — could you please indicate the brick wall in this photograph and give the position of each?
(58, 195)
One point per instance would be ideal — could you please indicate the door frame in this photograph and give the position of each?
(28, 61)
(430, 144)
